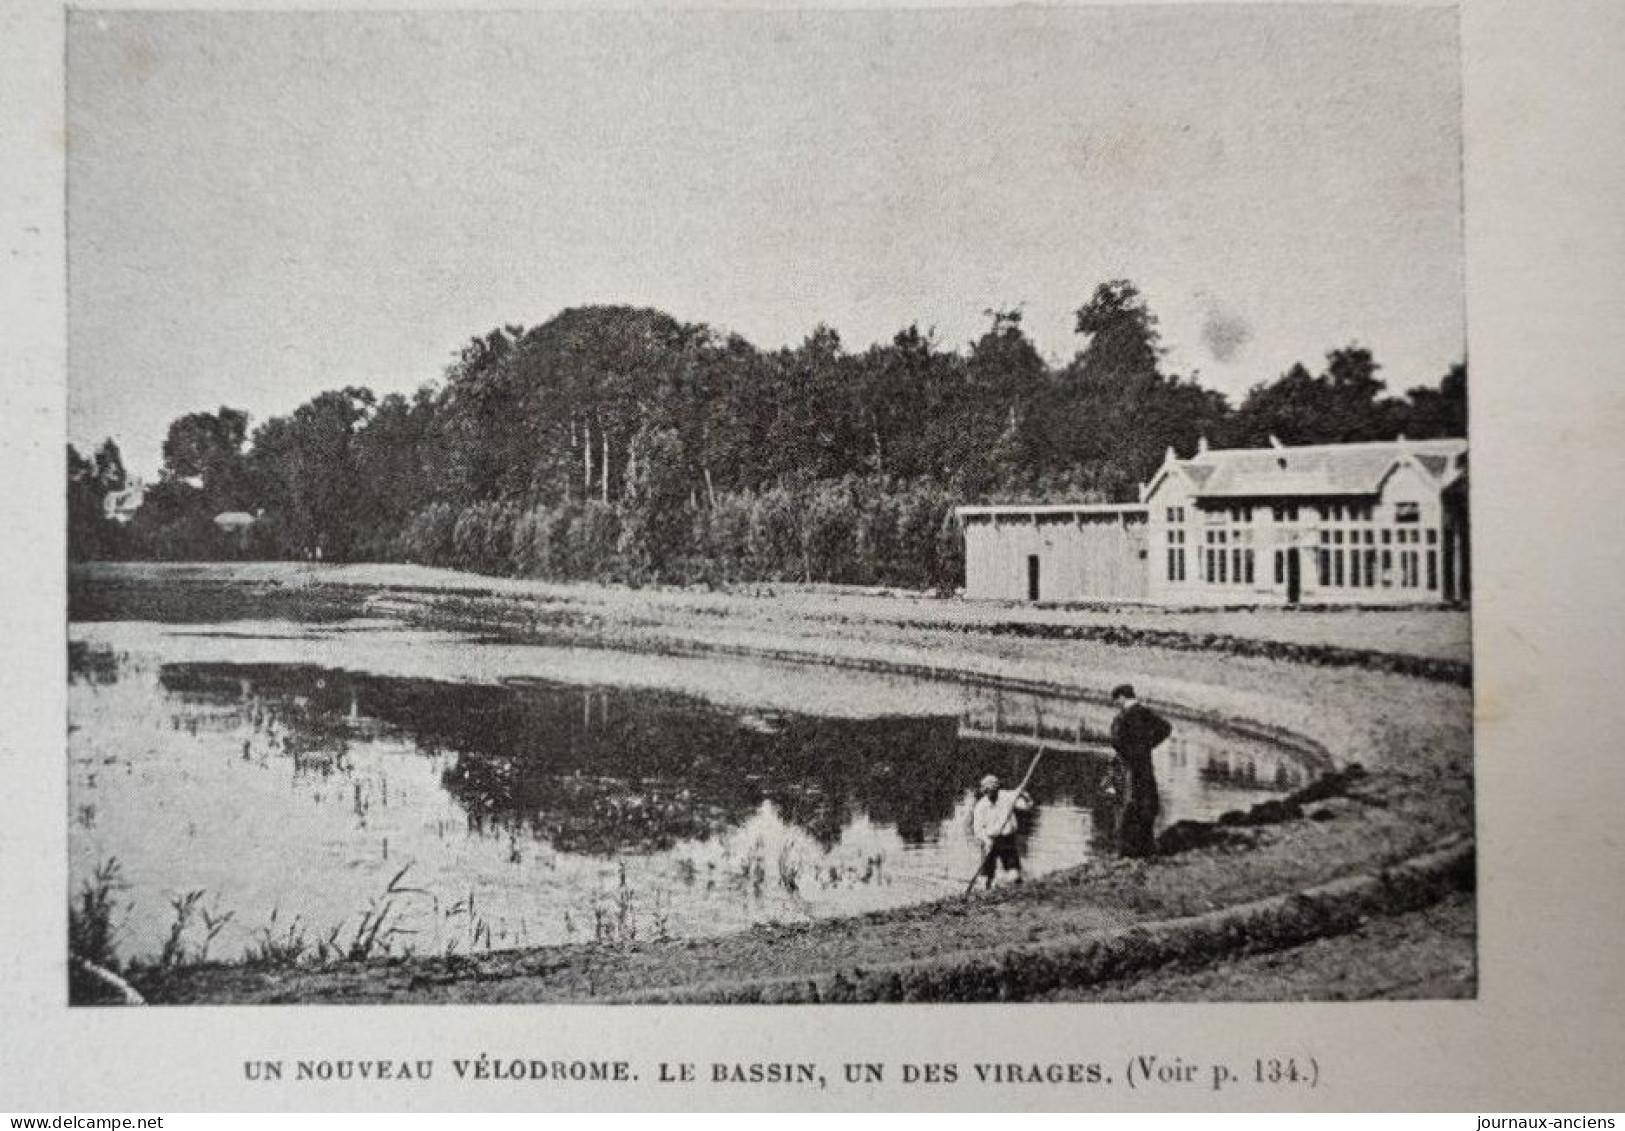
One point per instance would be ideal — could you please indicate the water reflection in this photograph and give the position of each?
(593, 770)
(534, 810)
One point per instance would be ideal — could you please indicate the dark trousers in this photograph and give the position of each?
(1002, 853)
(1137, 828)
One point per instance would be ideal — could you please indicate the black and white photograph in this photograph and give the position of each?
(768, 507)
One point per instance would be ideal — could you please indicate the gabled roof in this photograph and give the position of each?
(1312, 470)
(1437, 465)
(1198, 474)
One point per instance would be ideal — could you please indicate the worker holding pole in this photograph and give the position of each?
(993, 824)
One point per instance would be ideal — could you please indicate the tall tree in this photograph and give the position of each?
(1123, 340)
(1344, 403)
(1117, 411)
(997, 433)
(206, 449)
(110, 476)
(91, 532)
(815, 432)
(305, 467)
(655, 527)
(1440, 411)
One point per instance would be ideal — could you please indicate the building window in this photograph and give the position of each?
(1433, 569)
(1176, 555)
(1280, 567)
(1387, 568)
(1354, 568)
(1247, 561)
(1407, 512)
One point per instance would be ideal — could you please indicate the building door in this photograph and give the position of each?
(1032, 577)
(1294, 579)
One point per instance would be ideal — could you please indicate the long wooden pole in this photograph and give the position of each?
(1025, 778)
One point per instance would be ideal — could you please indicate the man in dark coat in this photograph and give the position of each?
(1136, 732)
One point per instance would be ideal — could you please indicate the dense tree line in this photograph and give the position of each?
(91, 482)
(619, 443)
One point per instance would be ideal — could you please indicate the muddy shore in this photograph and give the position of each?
(1384, 690)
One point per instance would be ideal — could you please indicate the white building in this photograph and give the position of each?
(121, 505)
(1060, 552)
(1377, 523)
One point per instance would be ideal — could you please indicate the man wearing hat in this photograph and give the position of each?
(993, 824)
(1136, 732)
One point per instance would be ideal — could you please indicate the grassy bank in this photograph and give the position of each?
(1410, 727)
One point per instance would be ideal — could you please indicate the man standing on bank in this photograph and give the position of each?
(1136, 732)
(993, 824)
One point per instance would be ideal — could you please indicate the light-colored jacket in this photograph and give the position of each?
(995, 814)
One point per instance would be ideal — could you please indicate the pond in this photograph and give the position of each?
(361, 784)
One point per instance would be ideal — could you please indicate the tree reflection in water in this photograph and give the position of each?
(603, 771)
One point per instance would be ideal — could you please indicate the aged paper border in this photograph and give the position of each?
(1545, 150)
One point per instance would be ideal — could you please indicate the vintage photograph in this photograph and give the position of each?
(768, 507)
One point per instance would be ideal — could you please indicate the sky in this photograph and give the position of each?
(263, 206)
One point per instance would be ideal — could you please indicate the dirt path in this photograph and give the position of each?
(1425, 954)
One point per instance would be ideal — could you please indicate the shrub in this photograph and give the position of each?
(427, 536)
